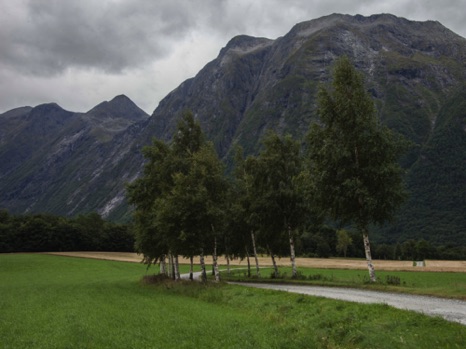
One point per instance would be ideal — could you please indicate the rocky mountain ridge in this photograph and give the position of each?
(55, 160)
(415, 71)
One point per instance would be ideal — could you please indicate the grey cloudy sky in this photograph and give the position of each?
(79, 53)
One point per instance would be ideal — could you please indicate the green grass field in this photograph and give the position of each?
(440, 284)
(61, 302)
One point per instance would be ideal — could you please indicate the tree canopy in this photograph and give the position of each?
(354, 158)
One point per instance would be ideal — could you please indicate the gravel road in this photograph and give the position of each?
(449, 309)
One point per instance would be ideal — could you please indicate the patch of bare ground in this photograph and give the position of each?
(324, 263)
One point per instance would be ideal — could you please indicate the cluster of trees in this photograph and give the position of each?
(418, 250)
(347, 172)
(45, 233)
(328, 242)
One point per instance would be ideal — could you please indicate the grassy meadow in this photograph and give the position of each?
(62, 302)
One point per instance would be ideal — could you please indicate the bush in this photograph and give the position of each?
(393, 280)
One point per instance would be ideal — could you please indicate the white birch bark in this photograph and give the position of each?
(177, 268)
(367, 249)
(163, 266)
(294, 272)
(214, 257)
(203, 273)
(258, 274)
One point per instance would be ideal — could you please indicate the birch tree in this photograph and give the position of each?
(243, 219)
(354, 157)
(281, 205)
(162, 198)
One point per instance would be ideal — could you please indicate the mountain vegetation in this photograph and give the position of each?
(66, 163)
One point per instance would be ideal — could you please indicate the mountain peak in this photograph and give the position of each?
(120, 106)
(122, 99)
(243, 44)
(308, 28)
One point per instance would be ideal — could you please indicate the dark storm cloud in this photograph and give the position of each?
(80, 52)
(51, 36)
(46, 37)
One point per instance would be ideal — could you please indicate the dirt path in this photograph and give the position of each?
(330, 263)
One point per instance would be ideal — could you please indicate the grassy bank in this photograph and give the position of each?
(440, 284)
(57, 302)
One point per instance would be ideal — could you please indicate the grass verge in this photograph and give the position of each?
(56, 302)
(439, 284)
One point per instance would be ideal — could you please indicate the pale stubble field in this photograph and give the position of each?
(318, 263)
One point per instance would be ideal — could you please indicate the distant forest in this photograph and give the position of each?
(46, 233)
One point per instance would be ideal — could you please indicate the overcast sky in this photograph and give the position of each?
(79, 53)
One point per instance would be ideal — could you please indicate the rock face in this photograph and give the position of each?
(69, 163)
(255, 84)
(415, 71)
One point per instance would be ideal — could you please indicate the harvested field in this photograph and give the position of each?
(318, 263)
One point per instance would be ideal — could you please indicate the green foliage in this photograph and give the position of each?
(180, 200)
(343, 241)
(45, 233)
(354, 157)
(277, 204)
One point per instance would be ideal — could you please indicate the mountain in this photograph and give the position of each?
(70, 163)
(415, 71)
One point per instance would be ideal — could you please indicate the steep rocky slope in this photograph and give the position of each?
(68, 163)
(415, 72)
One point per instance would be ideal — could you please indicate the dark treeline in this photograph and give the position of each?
(325, 242)
(45, 232)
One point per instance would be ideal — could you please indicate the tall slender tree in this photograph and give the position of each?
(278, 202)
(354, 157)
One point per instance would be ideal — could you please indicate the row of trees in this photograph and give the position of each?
(44, 232)
(347, 172)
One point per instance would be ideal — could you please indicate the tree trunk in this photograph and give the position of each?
(367, 249)
(163, 266)
(294, 272)
(191, 268)
(171, 267)
(228, 263)
(176, 269)
(249, 263)
(274, 263)
(214, 257)
(203, 272)
(258, 274)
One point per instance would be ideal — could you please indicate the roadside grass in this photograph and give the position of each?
(440, 284)
(58, 302)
